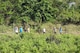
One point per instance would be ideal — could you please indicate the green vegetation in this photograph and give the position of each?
(36, 14)
(39, 43)
(39, 11)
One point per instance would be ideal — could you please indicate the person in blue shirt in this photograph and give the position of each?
(21, 32)
(60, 30)
(21, 29)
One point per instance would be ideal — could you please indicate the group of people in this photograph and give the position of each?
(20, 30)
(55, 30)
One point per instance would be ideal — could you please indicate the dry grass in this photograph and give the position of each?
(72, 29)
(67, 29)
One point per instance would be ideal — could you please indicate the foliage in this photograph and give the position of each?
(33, 43)
(39, 11)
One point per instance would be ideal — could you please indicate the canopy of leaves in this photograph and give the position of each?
(39, 11)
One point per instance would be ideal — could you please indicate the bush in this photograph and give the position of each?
(33, 43)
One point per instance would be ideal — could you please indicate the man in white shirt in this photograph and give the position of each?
(44, 30)
(16, 30)
(28, 30)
